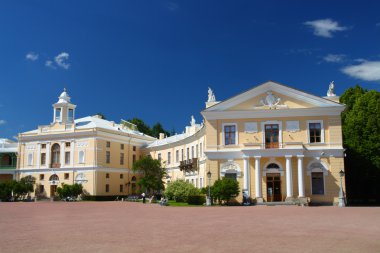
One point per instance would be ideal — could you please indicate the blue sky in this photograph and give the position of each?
(140, 58)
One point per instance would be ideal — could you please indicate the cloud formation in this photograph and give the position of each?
(61, 60)
(366, 70)
(334, 58)
(50, 64)
(3, 122)
(325, 27)
(31, 56)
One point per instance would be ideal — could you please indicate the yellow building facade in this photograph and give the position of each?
(90, 151)
(279, 143)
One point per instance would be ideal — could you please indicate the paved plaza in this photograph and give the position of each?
(134, 227)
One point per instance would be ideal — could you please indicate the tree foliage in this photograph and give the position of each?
(154, 131)
(20, 189)
(153, 174)
(180, 190)
(67, 190)
(361, 135)
(225, 189)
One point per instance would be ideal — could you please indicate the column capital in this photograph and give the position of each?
(245, 157)
(288, 156)
(257, 157)
(300, 156)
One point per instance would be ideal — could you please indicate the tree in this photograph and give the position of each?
(361, 138)
(17, 190)
(141, 126)
(72, 191)
(157, 129)
(101, 115)
(180, 190)
(224, 190)
(153, 174)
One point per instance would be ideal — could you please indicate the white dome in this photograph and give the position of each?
(64, 97)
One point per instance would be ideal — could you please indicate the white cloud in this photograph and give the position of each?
(31, 56)
(334, 58)
(61, 60)
(325, 27)
(366, 70)
(3, 122)
(50, 64)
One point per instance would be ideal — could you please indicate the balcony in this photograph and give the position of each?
(55, 165)
(189, 165)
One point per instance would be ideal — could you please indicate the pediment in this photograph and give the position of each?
(271, 95)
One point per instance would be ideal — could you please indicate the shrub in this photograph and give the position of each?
(225, 189)
(196, 199)
(180, 190)
(69, 190)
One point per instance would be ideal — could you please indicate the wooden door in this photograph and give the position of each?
(274, 187)
(271, 135)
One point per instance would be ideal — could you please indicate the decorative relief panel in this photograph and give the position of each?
(30, 147)
(251, 127)
(82, 144)
(292, 126)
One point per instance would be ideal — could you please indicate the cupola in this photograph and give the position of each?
(64, 110)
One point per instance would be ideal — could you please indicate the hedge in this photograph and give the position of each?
(196, 199)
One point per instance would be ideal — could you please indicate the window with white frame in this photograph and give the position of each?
(196, 151)
(81, 156)
(315, 131)
(201, 182)
(200, 149)
(176, 156)
(192, 152)
(169, 157)
(30, 159)
(230, 134)
(159, 156)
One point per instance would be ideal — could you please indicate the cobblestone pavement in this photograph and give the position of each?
(133, 227)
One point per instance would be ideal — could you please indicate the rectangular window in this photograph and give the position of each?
(315, 130)
(134, 148)
(181, 154)
(66, 176)
(108, 157)
(317, 183)
(107, 187)
(121, 158)
(200, 150)
(30, 159)
(176, 156)
(81, 156)
(230, 135)
(42, 176)
(121, 188)
(107, 175)
(159, 156)
(169, 157)
(192, 151)
(43, 158)
(122, 146)
(41, 188)
(43, 146)
(187, 153)
(201, 182)
(67, 144)
(196, 151)
(58, 114)
(108, 144)
(133, 159)
(70, 115)
(121, 176)
(67, 157)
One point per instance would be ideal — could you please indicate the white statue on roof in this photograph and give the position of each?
(192, 122)
(211, 95)
(330, 92)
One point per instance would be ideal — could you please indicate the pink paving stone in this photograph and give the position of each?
(134, 227)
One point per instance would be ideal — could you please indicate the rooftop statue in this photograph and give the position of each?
(211, 96)
(330, 92)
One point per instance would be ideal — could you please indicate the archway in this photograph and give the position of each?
(273, 182)
(53, 181)
(55, 156)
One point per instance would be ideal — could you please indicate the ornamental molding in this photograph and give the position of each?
(230, 167)
(271, 101)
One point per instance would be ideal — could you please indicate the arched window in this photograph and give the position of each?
(55, 155)
(133, 179)
(54, 177)
(80, 178)
(273, 166)
(6, 160)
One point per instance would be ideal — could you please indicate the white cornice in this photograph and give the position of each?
(102, 169)
(299, 112)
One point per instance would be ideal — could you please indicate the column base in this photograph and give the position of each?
(289, 200)
(303, 201)
(259, 200)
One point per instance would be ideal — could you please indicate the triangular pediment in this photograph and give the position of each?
(272, 95)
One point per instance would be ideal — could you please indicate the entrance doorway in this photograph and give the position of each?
(53, 190)
(274, 187)
(271, 135)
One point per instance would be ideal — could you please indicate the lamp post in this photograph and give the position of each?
(208, 201)
(342, 202)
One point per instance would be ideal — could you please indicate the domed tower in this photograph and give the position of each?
(64, 110)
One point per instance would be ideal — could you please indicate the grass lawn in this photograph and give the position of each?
(173, 203)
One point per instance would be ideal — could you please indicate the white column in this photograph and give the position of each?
(62, 154)
(258, 177)
(38, 160)
(289, 177)
(301, 182)
(48, 151)
(246, 184)
(72, 153)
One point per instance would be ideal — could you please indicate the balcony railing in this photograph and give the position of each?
(189, 165)
(7, 167)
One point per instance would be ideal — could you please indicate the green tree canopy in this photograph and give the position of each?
(361, 137)
(141, 126)
(180, 190)
(157, 129)
(69, 190)
(153, 174)
(225, 189)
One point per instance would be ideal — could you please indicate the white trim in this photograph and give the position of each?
(325, 168)
(322, 131)
(263, 123)
(236, 134)
(230, 165)
(267, 171)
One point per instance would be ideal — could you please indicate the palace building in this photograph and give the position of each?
(279, 143)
